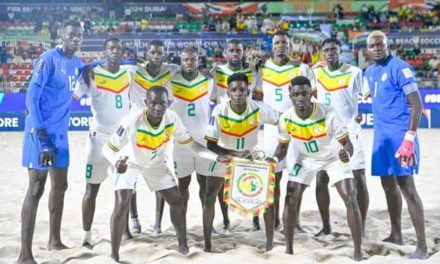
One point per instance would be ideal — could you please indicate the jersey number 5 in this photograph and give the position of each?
(278, 95)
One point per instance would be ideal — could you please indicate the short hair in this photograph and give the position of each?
(110, 39)
(72, 23)
(190, 50)
(238, 77)
(377, 33)
(156, 42)
(234, 41)
(300, 80)
(158, 89)
(331, 41)
(281, 33)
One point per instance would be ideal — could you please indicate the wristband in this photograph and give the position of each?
(410, 135)
(275, 158)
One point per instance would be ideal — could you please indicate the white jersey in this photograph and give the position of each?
(142, 81)
(221, 75)
(275, 81)
(191, 103)
(315, 137)
(141, 142)
(239, 132)
(109, 95)
(340, 89)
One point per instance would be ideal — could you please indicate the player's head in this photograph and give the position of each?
(238, 89)
(280, 44)
(377, 45)
(71, 35)
(155, 53)
(234, 52)
(156, 102)
(300, 92)
(331, 48)
(113, 50)
(189, 60)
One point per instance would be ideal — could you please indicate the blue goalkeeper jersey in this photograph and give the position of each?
(50, 90)
(389, 83)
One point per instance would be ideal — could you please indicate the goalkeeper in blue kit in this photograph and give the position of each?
(397, 109)
(45, 146)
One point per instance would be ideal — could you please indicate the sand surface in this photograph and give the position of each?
(241, 246)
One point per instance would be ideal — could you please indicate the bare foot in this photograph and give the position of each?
(394, 239)
(115, 256)
(26, 259)
(157, 230)
(289, 251)
(357, 255)
(87, 245)
(299, 229)
(323, 232)
(269, 246)
(420, 253)
(126, 235)
(226, 228)
(207, 247)
(56, 246)
(183, 249)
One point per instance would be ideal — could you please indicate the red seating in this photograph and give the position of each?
(23, 78)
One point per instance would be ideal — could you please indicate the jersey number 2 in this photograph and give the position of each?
(191, 109)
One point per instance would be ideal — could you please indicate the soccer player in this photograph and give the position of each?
(338, 85)
(154, 72)
(310, 140)
(191, 94)
(397, 108)
(108, 91)
(234, 64)
(275, 76)
(45, 146)
(233, 132)
(142, 137)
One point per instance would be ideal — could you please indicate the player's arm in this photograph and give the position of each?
(111, 149)
(407, 82)
(342, 136)
(283, 142)
(268, 114)
(257, 93)
(347, 149)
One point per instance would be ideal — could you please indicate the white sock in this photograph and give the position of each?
(87, 237)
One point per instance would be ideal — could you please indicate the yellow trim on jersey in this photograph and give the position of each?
(114, 84)
(112, 147)
(211, 139)
(186, 91)
(189, 140)
(304, 131)
(222, 74)
(152, 141)
(335, 82)
(239, 127)
(146, 82)
(343, 136)
(279, 75)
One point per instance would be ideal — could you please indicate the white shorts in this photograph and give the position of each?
(271, 143)
(97, 166)
(158, 177)
(304, 171)
(357, 161)
(186, 162)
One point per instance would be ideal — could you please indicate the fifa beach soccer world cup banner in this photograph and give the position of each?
(249, 186)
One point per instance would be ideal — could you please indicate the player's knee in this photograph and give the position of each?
(60, 188)
(37, 190)
(322, 181)
(350, 200)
